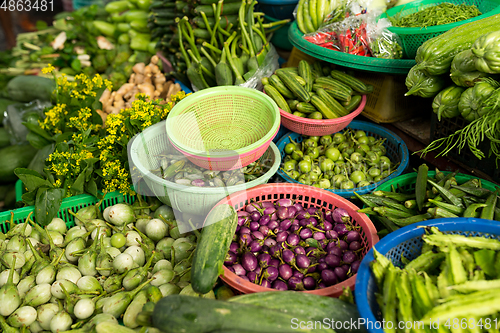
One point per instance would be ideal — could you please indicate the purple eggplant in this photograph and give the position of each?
(284, 203)
(265, 283)
(340, 273)
(266, 204)
(275, 263)
(234, 247)
(332, 260)
(323, 243)
(335, 250)
(255, 246)
(285, 224)
(243, 213)
(252, 276)
(328, 277)
(269, 242)
(285, 271)
(302, 261)
(327, 226)
(349, 257)
(288, 256)
(312, 210)
(239, 270)
(312, 269)
(312, 221)
(246, 239)
(270, 273)
(264, 229)
(264, 259)
(298, 274)
(249, 261)
(279, 285)
(309, 283)
(254, 226)
(237, 229)
(303, 222)
(282, 236)
(340, 215)
(273, 216)
(342, 244)
(322, 266)
(231, 258)
(302, 215)
(321, 285)
(275, 251)
(258, 235)
(244, 277)
(230, 268)
(294, 227)
(245, 230)
(354, 246)
(242, 221)
(328, 216)
(273, 225)
(282, 213)
(264, 220)
(298, 206)
(353, 236)
(298, 249)
(294, 283)
(355, 266)
(293, 240)
(268, 211)
(332, 234)
(253, 207)
(305, 233)
(292, 211)
(265, 249)
(341, 229)
(257, 270)
(255, 216)
(319, 236)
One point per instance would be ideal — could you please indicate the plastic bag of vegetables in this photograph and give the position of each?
(445, 104)
(472, 99)
(486, 50)
(463, 71)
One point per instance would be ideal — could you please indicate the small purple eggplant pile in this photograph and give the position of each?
(286, 246)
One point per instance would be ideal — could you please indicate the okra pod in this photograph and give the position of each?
(488, 212)
(471, 210)
(462, 241)
(386, 223)
(387, 211)
(446, 194)
(475, 191)
(451, 208)
(401, 197)
(392, 204)
(410, 220)
(421, 186)
(439, 175)
(438, 212)
(410, 204)
(426, 261)
(365, 201)
(368, 211)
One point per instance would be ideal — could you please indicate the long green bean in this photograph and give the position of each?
(444, 13)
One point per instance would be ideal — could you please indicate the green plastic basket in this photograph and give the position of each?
(379, 65)
(223, 128)
(407, 181)
(73, 203)
(412, 38)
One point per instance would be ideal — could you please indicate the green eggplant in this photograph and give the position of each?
(423, 85)
(472, 98)
(486, 50)
(445, 104)
(463, 71)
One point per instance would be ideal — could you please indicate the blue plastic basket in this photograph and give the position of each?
(278, 9)
(397, 151)
(407, 241)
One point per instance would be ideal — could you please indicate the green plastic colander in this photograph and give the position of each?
(412, 38)
(223, 128)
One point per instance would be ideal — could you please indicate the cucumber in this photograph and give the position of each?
(277, 97)
(305, 73)
(213, 245)
(353, 103)
(294, 86)
(331, 103)
(332, 84)
(26, 88)
(323, 108)
(339, 94)
(351, 81)
(312, 306)
(18, 156)
(181, 313)
(4, 138)
(275, 81)
(305, 108)
(292, 104)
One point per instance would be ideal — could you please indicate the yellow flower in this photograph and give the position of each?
(48, 69)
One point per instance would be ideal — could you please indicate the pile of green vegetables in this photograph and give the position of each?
(223, 44)
(443, 13)
(435, 195)
(347, 160)
(108, 266)
(470, 55)
(453, 283)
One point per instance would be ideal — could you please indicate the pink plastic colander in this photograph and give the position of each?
(308, 196)
(313, 127)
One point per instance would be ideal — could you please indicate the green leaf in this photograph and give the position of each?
(76, 65)
(31, 179)
(91, 188)
(62, 147)
(63, 137)
(29, 198)
(39, 131)
(77, 187)
(36, 140)
(41, 25)
(47, 204)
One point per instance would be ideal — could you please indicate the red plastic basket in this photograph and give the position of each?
(313, 127)
(309, 196)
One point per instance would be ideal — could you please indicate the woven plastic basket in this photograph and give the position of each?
(407, 241)
(389, 66)
(223, 128)
(145, 151)
(412, 38)
(397, 151)
(314, 127)
(309, 196)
